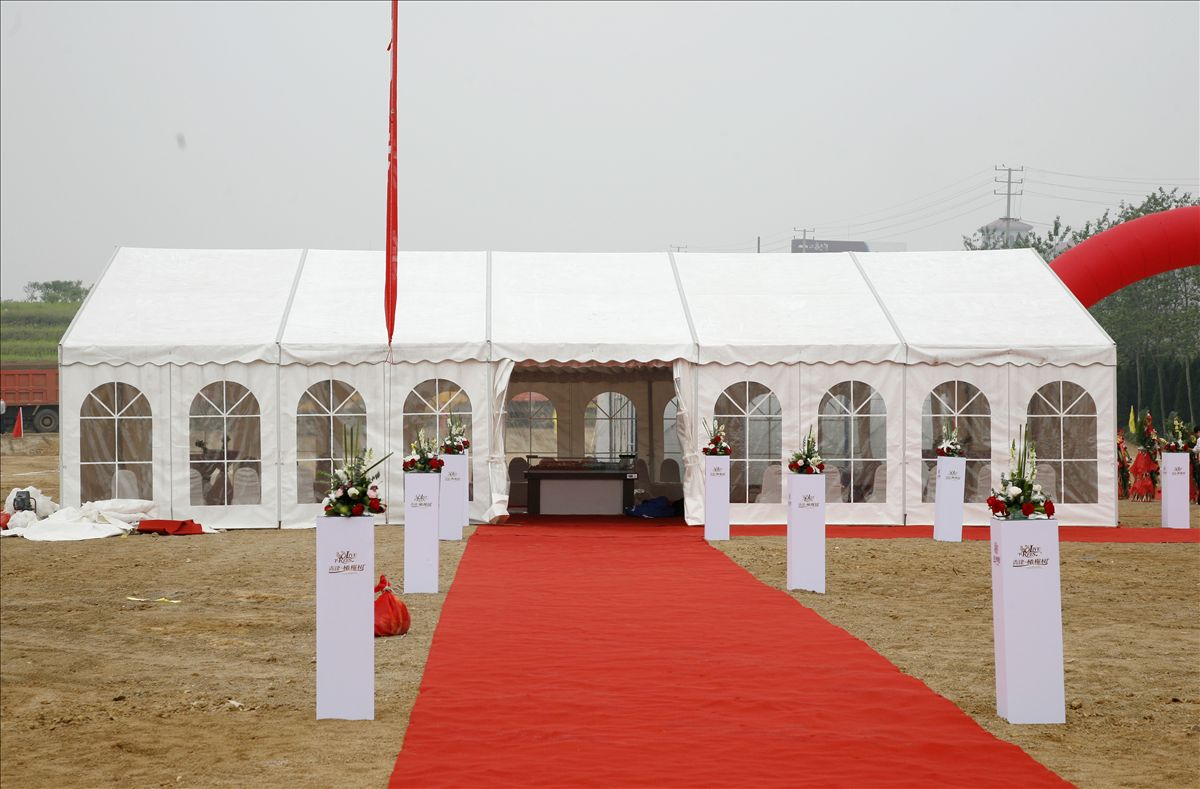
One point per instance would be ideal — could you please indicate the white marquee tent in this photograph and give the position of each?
(217, 382)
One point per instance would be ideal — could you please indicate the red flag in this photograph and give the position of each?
(389, 281)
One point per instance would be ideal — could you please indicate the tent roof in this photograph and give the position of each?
(157, 306)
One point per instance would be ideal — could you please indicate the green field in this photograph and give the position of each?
(30, 331)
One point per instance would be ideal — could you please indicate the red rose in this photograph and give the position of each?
(356, 510)
(820, 467)
(809, 470)
(466, 443)
(1027, 509)
(793, 466)
(329, 508)
(1049, 508)
(374, 505)
(941, 452)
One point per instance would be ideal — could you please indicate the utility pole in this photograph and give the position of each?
(760, 244)
(1008, 196)
(679, 247)
(804, 231)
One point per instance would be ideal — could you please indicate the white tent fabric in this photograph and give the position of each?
(806, 327)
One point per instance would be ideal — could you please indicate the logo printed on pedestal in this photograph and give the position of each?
(952, 474)
(717, 471)
(343, 562)
(1030, 556)
(807, 501)
(996, 554)
(451, 476)
(420, 501)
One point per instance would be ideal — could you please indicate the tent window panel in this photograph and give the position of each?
(531, 426)
(739, 484)
(868, 481)
(313, 437)
(103, 400)
(206, 435)
(765, 482)
(543, 437)
(423, 398)
(852, 429)
(1079, 437)
(414, 425)
(342, 427)
(961, 405)
(835, 436)
(95, 481)
(133, 481)
(1046, 432)
(130, 401)
(245, 438)
(134, 440)
(764, 440)
(837, 480)
(976, 434)
(672, 449)
(345, 398)
(97, 441)
(735, 435)
(1080, 483)
(245, 404)
(245, 483)
(1076, 400)
(312, 480)
(209, 401)
(314, 401)
(610, 426)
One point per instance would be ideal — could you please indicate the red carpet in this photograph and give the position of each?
(638, 656)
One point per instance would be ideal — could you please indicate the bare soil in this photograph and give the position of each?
(218, 689)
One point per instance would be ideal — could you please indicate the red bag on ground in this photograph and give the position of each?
(169, 527)
(391, 614)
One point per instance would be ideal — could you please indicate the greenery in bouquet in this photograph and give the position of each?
(808, 459)
(456, 442)
(352, 488)
(950, 446)
(1176, 437)
(423, 459)
(1142, 434)
(1020, 497)
(716, 439)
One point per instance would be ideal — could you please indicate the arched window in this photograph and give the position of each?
(753, 423)
(531, 427)
(672, 464)
(609, 427)
(852, 429)
(958, 404)
(325, 413)
(430, 406)
(1062, 422)
(115, 447)
(225, 440)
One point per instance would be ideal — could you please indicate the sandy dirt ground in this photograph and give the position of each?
(218, 689)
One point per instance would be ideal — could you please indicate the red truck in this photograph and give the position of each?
(34, 390)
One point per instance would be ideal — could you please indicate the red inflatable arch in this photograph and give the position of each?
(1130, 252)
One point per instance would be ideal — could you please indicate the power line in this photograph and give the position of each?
(1073, 199)
(1151, 181)
(1133, 191)
(850, 220)
(933, 224)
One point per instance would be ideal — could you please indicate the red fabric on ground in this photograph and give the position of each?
(642, 657)
(1065, 533)
(177, 528)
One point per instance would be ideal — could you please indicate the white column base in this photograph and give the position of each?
(421, 493)
(1175, 472)
(346, 618)
(716, 497)
(948, 499)
(806, 532)
(452, 513)
(1027, 621)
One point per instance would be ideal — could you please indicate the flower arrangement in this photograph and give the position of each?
(716, 440)
(808, 459)
(950, 446)
(423, 459)
(1123, 463)
(1020, 496)
(352, 488)
(1175, 438)
(1143, 472)
(456, 442)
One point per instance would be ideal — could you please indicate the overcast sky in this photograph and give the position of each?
(575, 127)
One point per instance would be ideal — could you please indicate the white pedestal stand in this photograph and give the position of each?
(806, 532)
(346, 618)
(948, 499)
(1174, 473)
(1027, 621)
(453, 514)
(421, 533)
(716, 497)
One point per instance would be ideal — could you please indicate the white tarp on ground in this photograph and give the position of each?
(94, 520)
(277, 322)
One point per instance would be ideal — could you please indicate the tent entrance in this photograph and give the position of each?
(598, 437)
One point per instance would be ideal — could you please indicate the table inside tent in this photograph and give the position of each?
(580, 486)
